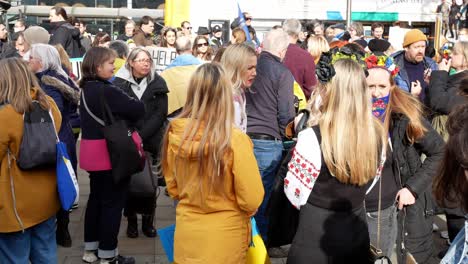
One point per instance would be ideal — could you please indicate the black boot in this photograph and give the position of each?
(62, 236)
(147, 225)
(132, 228)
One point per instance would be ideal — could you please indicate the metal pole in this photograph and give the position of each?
(437, 35)
(348, 13)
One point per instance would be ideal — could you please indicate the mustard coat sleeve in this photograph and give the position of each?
(169, 177)
(248, 184)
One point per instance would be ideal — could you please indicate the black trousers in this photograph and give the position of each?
(104, 210)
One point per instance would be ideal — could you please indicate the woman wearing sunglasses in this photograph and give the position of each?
(202, 49)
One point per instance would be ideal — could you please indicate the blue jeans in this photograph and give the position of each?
(268, 154)
(458, 251)
(388, 229)
(36, 245)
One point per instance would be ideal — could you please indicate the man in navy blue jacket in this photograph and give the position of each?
(270, 107)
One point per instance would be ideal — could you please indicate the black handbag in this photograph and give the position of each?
(126, 154)
(38, 144)
(283, 216)
(144, 183)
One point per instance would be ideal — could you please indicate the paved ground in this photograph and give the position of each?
(145, 250)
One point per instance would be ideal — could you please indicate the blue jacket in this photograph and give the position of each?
(184, 60)
(66, 95)
(402, 79)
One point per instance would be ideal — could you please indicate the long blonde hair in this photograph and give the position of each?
(209, 108)
(16, 83)
(316, 45)
(234, 61)
(351, 137)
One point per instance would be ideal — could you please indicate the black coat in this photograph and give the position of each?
(442, 95)
(151, 125)
(68, 36)
(415, 221)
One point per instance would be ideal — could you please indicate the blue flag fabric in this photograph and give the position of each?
(166, 235)
(242, 23)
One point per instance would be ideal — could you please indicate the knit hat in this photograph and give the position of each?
(36, 34)
(413, 36)
(378, 45)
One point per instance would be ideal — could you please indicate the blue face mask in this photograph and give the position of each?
(379, 105)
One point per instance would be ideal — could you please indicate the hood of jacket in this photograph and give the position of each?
(124, 73)
(175, 136)
(53, 79)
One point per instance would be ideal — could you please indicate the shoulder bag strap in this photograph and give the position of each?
(379, 207)
(97, 119)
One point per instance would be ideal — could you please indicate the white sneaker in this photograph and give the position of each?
(89, 256)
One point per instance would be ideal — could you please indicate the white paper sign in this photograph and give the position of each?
(396, 36)
(162, 57)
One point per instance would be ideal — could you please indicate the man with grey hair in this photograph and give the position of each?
(177, 75)
(299, 62)
(270, 107)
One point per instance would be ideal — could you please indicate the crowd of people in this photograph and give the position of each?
(382, 149)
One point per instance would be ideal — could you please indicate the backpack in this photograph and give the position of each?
(38, 144)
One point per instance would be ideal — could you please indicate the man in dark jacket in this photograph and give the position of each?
(6, 50)
(270, 107)
(64, 33)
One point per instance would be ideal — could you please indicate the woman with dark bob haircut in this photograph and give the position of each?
(106, 199)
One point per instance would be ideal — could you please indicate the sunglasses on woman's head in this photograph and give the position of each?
(202, 44)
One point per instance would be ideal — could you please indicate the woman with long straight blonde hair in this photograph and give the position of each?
(332, 223)
(27, 226)
(240, 63)
(210, 168)
(406, 181)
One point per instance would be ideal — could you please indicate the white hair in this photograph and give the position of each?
(292, 26)
(275, 41)
(49, 57)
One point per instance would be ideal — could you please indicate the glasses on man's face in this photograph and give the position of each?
(202, 44)
(143, 61)
(248, 18)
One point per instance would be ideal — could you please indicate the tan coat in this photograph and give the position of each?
(142, 39)
(177, 80)
(35, 191)
(216, 229)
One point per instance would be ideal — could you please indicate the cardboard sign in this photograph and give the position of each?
(162, 57)
(396, 36)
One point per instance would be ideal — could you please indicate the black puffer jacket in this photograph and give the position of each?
(415, 221)
(442, 95)
(68, 36)
(151, 125)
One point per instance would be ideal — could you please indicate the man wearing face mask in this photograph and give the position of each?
(415, 68)
(270, 107)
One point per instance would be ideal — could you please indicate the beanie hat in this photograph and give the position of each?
(378, 45)
(413, 36)
(36, 34)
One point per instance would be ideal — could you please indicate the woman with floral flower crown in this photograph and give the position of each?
(406, 181)
(332, 222)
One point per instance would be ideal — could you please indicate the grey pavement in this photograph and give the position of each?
(146, 250)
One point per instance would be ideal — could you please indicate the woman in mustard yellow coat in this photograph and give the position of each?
(211, 170)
